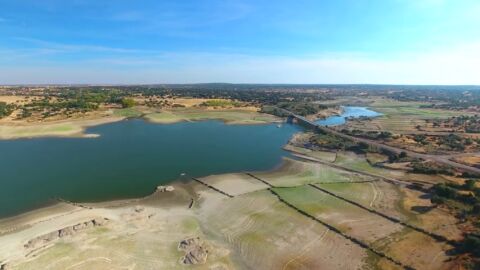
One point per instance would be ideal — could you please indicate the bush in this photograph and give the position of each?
(471, 244)
(476, 209)
(437, 199)
(220, 103)
(430, 168)
(127, 102)
(5, 109)
(445, 191)
(469, 185)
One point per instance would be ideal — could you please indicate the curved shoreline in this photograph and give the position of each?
(58, 129)
(77, 128)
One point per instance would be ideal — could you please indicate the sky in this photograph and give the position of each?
(240, 41)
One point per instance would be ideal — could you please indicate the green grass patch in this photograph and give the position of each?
(304, 197)
(127, 112)
(190, 225)
(221, 103)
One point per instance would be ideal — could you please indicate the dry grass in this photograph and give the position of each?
(14, 99)
(473, 160)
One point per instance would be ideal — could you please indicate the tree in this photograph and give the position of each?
(471, 244)
(469, 184)
(5, 109)
(127, 102)
(476, 208)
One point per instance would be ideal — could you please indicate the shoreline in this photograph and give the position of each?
(56, 129)
(120, 201)
(76, 128)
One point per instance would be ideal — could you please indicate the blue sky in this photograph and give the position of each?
(240, 41)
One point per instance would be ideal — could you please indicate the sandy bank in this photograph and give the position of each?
(228, 116)
(13, 129)
(64, 128)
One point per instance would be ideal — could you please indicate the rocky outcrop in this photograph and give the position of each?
(195, 250)
(67, 231)
(165, 188)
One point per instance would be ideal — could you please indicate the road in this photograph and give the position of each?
(441, 159)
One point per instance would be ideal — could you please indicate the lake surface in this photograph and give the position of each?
(348, 111)
(132, 157)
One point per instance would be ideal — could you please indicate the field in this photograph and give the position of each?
(229, 116)
(13, 99)
(235, 183)
(322, 155)
(295, 173)
(402, 117)
(470, 160)
(265, 234)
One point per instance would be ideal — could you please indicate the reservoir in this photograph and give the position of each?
(348, 112)
(132, 157)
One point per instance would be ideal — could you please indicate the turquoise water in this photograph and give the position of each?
(348, 111)
(130, 159)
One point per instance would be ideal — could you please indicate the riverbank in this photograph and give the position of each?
(63, 128)
(234, 116)
(75, 127)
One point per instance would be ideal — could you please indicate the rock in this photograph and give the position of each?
(51, 236)
(42, 239)
(89, 224)
(165, 188)
(80, 226)
(65, 232)
(187, 243)
(139, 209)
(195, 251)
(197, 255)
(99, 221)
(4, 267)
(71, 230)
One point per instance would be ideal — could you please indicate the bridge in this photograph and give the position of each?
(441, 159)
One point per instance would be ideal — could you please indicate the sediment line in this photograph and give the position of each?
(437, 237)
(346, 236)
(212, 187)
(259, 179)
(73, 203)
